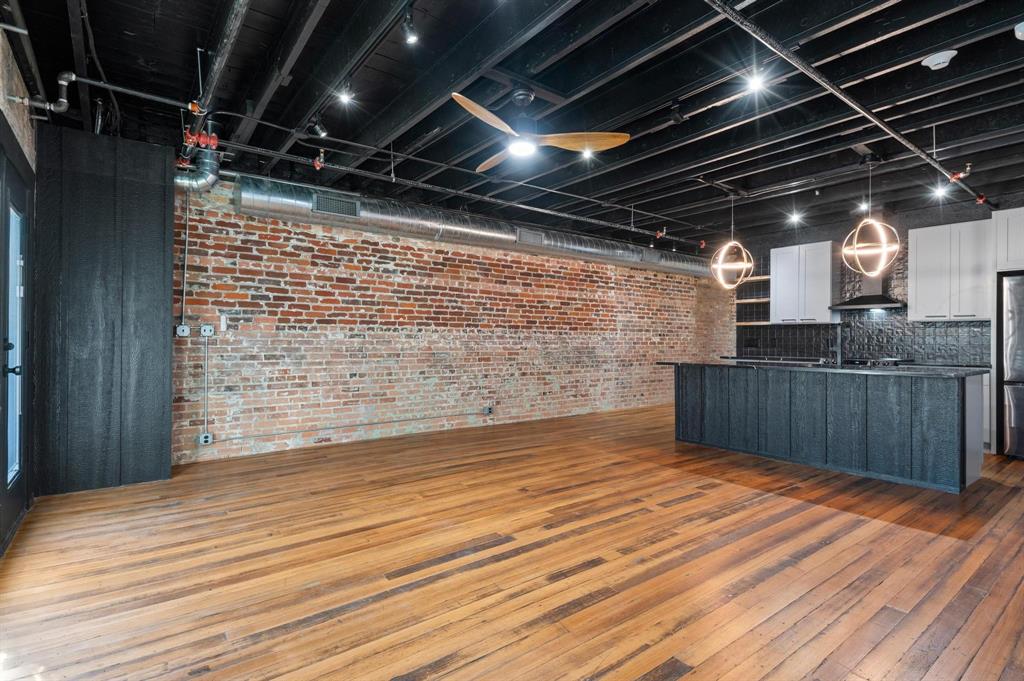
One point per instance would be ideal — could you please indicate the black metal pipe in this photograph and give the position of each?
(221, 53)
(817, 76)
(129, 91)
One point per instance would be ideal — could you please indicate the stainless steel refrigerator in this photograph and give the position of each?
(1011, 356)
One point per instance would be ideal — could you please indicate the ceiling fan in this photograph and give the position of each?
(523, 139)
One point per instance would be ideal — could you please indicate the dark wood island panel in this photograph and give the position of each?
(911, 426)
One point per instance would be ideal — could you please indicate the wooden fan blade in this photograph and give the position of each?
(482, 113)
(492, 161)
(581, 141)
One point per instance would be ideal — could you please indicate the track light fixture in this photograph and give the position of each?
(345, 96)
(755, 82)
(409, 29)
(940, 190)
(318, 128)
(795, 217)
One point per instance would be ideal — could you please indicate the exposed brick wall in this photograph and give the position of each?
(329, 327)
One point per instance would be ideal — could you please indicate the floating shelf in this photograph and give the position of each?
(747, 301)
(752, 323)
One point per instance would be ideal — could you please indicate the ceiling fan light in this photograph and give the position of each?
(521, 147)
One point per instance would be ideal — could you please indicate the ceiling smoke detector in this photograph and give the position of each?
(939, 60)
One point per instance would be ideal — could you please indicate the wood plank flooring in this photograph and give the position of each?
(589, 547)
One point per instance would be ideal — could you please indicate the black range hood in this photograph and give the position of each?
(870, 298)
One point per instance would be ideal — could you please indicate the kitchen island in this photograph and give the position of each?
(915, 425)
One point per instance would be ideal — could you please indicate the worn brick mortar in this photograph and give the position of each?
(330, 326)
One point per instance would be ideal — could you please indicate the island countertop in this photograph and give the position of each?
(903, 370)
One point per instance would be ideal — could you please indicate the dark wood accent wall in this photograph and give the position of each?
(102, 318)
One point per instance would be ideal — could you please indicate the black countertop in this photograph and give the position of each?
(906, 370)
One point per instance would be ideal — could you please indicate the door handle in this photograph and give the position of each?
(812, 319)
(12, 370)
(965, 315)
(935, 316)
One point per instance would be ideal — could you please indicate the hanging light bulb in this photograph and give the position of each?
(732, 264)
(409, 28)
(872, 245)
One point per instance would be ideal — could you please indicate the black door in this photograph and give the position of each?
(14, 476)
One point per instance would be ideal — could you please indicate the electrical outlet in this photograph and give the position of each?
(205, 438)
(182, 331)
(206, 330)
(488, 410)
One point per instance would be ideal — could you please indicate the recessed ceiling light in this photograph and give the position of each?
(521, 147)
(939, 60)
(755, 82)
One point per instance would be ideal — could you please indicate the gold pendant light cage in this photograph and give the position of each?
(871, 247)
(732, 265)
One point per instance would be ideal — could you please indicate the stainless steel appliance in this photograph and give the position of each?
(875, 362)
(1011, 365)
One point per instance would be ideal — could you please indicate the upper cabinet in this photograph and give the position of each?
(950, 272)
(803, 280)
(1009, 239)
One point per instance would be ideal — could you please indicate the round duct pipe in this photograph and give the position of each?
(313, 205)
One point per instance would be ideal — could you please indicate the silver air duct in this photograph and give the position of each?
(207, 170)
(312, 205)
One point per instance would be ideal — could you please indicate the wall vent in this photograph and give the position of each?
(335, 205)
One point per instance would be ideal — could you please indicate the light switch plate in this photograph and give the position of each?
(206, 330)
(182, 331)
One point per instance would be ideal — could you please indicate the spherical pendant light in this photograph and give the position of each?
(871, 247)
(732, 264)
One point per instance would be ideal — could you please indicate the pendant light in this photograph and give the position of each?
(732, 264)
(872, 245)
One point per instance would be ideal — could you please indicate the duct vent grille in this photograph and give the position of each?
(530, 237)
(335, 205)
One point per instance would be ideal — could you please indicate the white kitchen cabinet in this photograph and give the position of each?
(802, 284)
(1009, 225)
(972, 282)
(949, 274)
(784, 307)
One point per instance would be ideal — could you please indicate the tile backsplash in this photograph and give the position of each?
(866, 334)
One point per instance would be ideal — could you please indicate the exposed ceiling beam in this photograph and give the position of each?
(367, 26)
(985, 96)
(713, 69)
(863, 70)
(840, 93)
(571, 31)
(278, 71)
(81, 63)
(507, 28)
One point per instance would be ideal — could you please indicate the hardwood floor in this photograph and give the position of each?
(589, 547)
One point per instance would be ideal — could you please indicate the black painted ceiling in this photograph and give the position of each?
(670, 72)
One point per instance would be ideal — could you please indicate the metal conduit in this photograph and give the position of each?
(264, 197)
